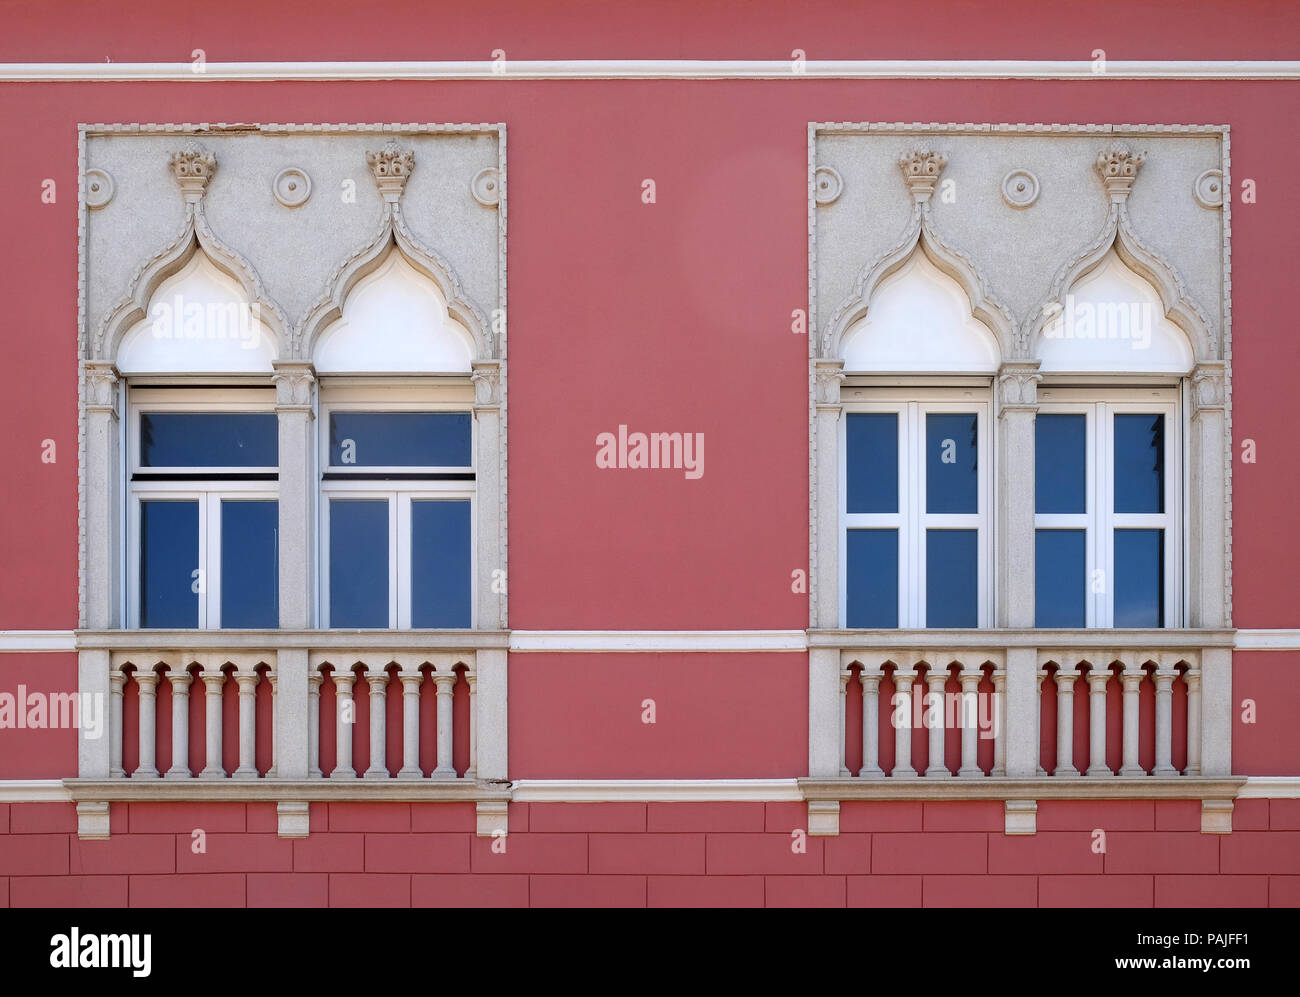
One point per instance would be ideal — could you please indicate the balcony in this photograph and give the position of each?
(1019, 715)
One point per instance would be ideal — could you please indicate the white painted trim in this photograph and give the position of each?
(31, 641)
(1267, 640)
(572, 641)
(702, 69)
(34, 791)
(1270, 787)
(655, 790)
(657, 640)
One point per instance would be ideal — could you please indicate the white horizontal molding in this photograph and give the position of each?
(38, 640)
(705, 69)
(34, 791)
(656, 790)
(1268, 640)
(657, 640)
(1271, 787)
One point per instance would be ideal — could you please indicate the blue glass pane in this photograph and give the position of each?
(400, 439)
(1060, 578)
(952, 578)
(872, 461)
(440, 559)
(250, 579)
(1139, 578)
(951, 462)
(209, 439)
(1139, 463)
(169, 558)
(359, 563)
(1060, 464)
(872, 571)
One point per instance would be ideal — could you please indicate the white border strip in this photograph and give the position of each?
(656, 790)
(1270, 787)
(657, 640)
(33, 791)
(640, 69)
(630, 641)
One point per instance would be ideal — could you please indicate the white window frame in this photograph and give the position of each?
(350, 396)
(1100, 521)
(209, 494)
(912, 522)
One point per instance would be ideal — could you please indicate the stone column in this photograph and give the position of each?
(445, 681)
(870, 679)
(246, 678)
(1098, 677)
(102, 479)
(492, 672)
(314, 680)
(935, 718)
(490, 569)
(1207, 450)
(410, 724)
(297, 715)
(1021, 712)
(147, 683)
(344, 718)
(294, 395)
(825, 581)
(1132, 679)
(970, 682)
(1065, 679)
(180, 682)
(378, 768)
(213, 682)
(1216, 711)
(1017, 406)
(1164, 679)
(904, 676)
(824, 754)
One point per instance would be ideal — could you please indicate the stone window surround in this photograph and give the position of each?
(1207, 397)
(102, 401)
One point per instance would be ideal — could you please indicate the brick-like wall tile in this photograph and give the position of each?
(766, 854)
(417, 852)
(707, 817)
(585, 818)
(365, 889)
(288, 889)
(647, 854)
(34, 855)
(1085, 815)
(469, 891)
(445, 817)
(369, 817)
(705, 891)
(1271, 852)
(980, 891)
(1096, 891)
(884, 891)
(963, 815)
(235, 853)
(1180, 815)
(934, 854)
(216, 890)
(1211, 891)
(330, 852)
(880, 815)
(1284, 891)
(182, 818)
(530, 853)
(124, 853)
(784, 817)
(1047, 852)
(68, 891)
(849, 853)
(805, 891)
(42, 818)
(587, 891)
(1162, 852)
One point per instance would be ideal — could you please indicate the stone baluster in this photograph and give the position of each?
(344, 717)
(1098, 677)
(147, 684)
(180, 682)
(411, 679)
(903, 679)
(1165, 674)
(213, 682)
(116, 683)
(1038, 724)
(1193, 680)
(844, 723)
(870, 679)
(936, 679)
(1132, 681)
(246, 678)
(999, 722)
(1065, 679)
(314, 680)
(378, 682)
(970, 722)
(446, 682)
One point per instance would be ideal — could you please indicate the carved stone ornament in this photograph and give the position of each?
(291, 187)
(485, 187)
(829, 378)
(101, 387)
(392, 167)
(293, 385)
(921, 169)
(1020, 188)
(487, 384)
(827, 185)
(193, 167)
(1208, 189)
(1118, 168)
(99, 188)
(1209, 388)
(1019, 385)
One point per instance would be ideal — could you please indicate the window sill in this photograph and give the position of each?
(999, 638)
(285, 639)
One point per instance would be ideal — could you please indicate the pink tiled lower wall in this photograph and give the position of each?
(656, 854)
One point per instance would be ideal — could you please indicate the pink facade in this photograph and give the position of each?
(672, 316)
